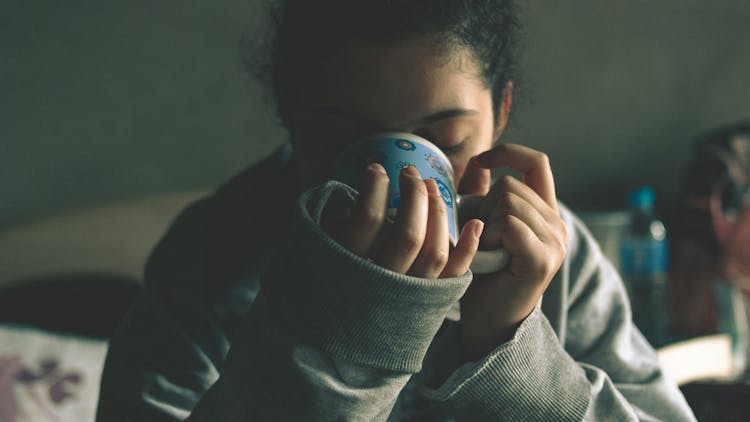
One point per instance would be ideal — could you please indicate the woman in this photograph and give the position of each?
(710, 233)
(254, 309)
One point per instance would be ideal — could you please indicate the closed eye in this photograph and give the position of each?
(453, 149)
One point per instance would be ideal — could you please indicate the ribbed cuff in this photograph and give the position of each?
(329, 298)
(530, 377)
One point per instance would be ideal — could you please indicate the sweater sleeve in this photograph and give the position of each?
(595, 366)
(331, 336)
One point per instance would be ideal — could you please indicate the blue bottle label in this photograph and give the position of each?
(644, 257)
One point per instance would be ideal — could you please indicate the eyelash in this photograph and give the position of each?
(453, 149)
(434, 137)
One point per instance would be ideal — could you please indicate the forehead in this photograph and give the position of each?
(391, 83)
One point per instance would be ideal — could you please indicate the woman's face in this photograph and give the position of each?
(416, 86)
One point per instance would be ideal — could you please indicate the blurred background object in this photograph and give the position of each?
(711, 242)
(644, 258)
(111, 238)
(66, 281)
(608, 227)
(700, 324)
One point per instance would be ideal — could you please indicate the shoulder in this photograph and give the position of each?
(585, 274)
(582, 248)
(210, 252)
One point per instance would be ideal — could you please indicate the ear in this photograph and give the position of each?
(503, 110)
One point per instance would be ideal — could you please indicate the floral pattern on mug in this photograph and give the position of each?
(405, 145)
(436, 164)
(445, 192)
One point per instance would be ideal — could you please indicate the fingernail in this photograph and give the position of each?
(376, 167)
(478, 229)
(410, 171)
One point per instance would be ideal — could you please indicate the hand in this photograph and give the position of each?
(417, 242)
(523, 218)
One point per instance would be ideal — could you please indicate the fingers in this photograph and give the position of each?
(533, 262)
(407, 234)
(523, 217)
(357, 228)
(417, 242)
(434, 253)
(368, 214)
(510, 196)
(533, 165)
(511, 204)
(466, 247)
(519, 240)
(475, 180)
(536, 245)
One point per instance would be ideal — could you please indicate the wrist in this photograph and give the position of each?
(478, 340)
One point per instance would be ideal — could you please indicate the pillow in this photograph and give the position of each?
(47, 376)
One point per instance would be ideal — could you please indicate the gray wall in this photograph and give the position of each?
(106, 100)
(619, 89)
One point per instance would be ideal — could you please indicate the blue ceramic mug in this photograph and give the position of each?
(396, 150)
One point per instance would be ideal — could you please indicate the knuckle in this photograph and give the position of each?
(547, 267)
(557, 249)
(506, 181)
(507, 200)
(542, 158)
(565, 234)
(433, 261)
(563, 253)
(410, 240)
(552, 261)
(506, 221)
(371, 216)
(439, 259)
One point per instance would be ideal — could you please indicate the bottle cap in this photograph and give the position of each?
(642, 197)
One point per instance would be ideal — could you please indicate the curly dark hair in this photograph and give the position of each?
(302, 34)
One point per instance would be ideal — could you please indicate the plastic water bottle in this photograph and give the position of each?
(644, 262)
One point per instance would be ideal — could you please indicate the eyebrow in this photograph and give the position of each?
(442, 115)
(424, 120)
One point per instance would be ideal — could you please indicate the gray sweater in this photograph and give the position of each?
(250, 311)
